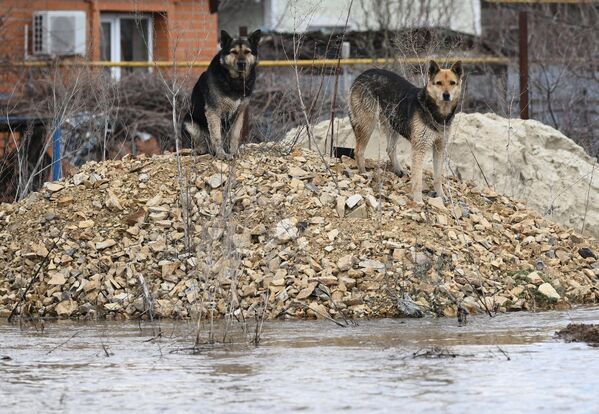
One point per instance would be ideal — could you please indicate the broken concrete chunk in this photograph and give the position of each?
(112, 201)
(437, 202)
(53, 186)
(352, 201)
(216, 180)
(105, 244)
(286, 230)
(549, 291)
(372, 264)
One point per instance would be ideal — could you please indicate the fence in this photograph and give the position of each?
(492, 84)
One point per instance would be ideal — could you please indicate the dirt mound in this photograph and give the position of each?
(287, 234)
(526, 160)
(580, 332)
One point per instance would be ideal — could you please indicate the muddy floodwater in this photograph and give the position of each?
(507, 364)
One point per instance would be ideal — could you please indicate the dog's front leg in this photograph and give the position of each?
(438, 166)
(418, 152)
(216, 140)
(237, 127)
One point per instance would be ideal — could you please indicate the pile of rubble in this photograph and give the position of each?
(281, 235)
(523, 159)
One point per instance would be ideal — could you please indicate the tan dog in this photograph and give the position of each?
(421, 115)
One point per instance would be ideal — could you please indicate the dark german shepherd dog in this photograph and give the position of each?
(220, 98)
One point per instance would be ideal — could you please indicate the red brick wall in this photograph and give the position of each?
(183, 29)
(195, 31)
(8, 142)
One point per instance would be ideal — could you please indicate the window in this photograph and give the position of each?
(126, 38)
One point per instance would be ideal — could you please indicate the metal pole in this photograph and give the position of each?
(488, 60)
(523, 57)
(56, 154)
(345, 53)
(26, 46)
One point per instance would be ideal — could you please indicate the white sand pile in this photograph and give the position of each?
(526, 160)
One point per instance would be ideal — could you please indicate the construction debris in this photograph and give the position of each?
(523, 159)
(296, 235)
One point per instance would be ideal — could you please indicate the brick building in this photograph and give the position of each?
(88, 30)
(106, 30)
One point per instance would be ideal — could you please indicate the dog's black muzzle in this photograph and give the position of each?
(446, 96)
(241, 64)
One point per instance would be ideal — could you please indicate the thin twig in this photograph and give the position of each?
(63, 343)
(586, 206)
(32, 281)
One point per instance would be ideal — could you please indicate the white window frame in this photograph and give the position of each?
(115, 36)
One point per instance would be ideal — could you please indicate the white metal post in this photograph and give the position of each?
(345, 52)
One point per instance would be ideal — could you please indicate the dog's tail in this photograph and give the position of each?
(351, 103)
(186, 139)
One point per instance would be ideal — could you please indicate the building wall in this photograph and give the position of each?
(183, 29)
(286, 16)
(249, 13)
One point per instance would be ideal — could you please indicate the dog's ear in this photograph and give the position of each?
(457, 69)
(433, 69)
(225, 40)
(254, 40)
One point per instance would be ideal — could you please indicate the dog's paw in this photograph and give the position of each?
(400, 173)
(222, 155)
(417, 198)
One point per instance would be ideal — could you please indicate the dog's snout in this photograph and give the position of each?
(241, 64)
(446, 96)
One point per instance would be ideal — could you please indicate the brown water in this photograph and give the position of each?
(305, 366)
